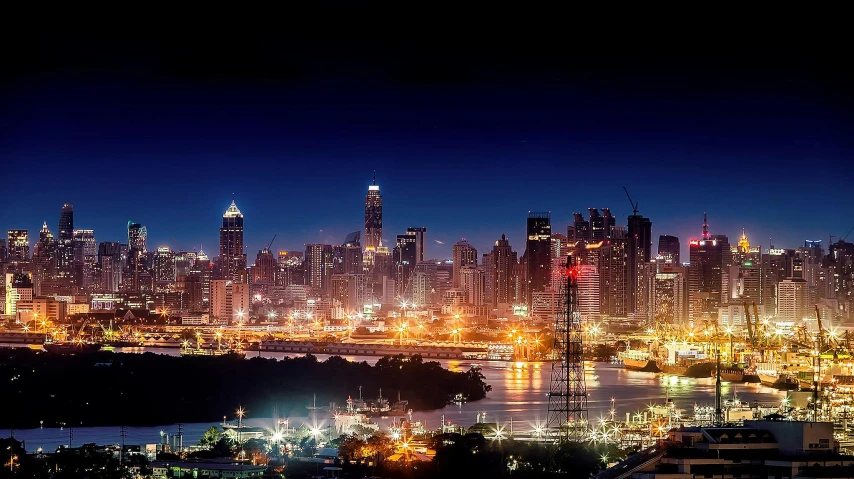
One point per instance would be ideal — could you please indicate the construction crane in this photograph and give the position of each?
(756, 318)
(750, 333)
(634, 205)
(270, 244)
(820, 330)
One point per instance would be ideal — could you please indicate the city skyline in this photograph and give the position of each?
(435, 247)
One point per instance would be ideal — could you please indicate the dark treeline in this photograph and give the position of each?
(147, 389)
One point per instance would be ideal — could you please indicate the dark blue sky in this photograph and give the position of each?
(464, 141)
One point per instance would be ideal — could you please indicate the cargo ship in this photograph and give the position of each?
(71, 347)
(636, 360)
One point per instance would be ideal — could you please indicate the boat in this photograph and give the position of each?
(213, 352)
(348, 420)
(71, 347)
(122, 343)
(636, 360)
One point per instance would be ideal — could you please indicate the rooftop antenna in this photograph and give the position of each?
(375, 177)
(705, 227)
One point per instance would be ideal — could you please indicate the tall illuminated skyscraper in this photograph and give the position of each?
(64, 242)
(373, 216)
(503, 260)
(538, 253)
(231, 257)
(464, 255)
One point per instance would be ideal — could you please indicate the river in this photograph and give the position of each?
(519, 395)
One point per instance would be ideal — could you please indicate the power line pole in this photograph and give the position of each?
(567, 411)
(70, 436)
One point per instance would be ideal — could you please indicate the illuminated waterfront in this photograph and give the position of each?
(519, 394)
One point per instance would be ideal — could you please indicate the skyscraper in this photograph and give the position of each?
(705, 276)
(538, 249)
(231, 256)
(64, 243)
(373, 216)
(18, 245)
(638, 252)
(503, 260)
(405, 258)
(600, 225)
(264, 269)
(66, 222)
(318, 267)
(164, 266)
(110, 263)
(668, 246)
(581, 228)
(464, 255)
(44, 259)
(137, 236)
(420, 234)
(85, 257)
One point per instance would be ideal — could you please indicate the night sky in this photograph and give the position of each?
(465, 136)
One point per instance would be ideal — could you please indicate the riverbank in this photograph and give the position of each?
(112, 389)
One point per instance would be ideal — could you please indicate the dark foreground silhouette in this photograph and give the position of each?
(111, 389)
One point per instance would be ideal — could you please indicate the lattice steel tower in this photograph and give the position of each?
(568, 391)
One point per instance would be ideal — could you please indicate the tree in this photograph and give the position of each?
(209, 437)
(380, 443)
(351, 446)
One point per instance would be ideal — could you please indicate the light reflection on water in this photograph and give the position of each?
(519, 394)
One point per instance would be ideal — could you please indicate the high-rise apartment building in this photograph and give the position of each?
(538, 253)
(601, 225)
(588, 292)
(264, 269)
(229, 301)
(580, 228)
(668, 247)
(164, 266)
(18, 248)
(110, 265)
(318, 266)
(793, 300)
(85, 258)
(472, 281)
(231, 256)
(638, 252)
(464, 254)
(2, 250)
(705, 276)
(350, 290)
(405, 258)
(202, 272)
(504, 261)
(420, 234)
(373, 217)
(19, 288)
(44, 258)
(776, 266)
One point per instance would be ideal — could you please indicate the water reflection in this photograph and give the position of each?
(519, 393)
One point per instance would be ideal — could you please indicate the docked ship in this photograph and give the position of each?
(770, 375)
(637, 360)
(71, 347)
(349, 420)
(213, 352)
